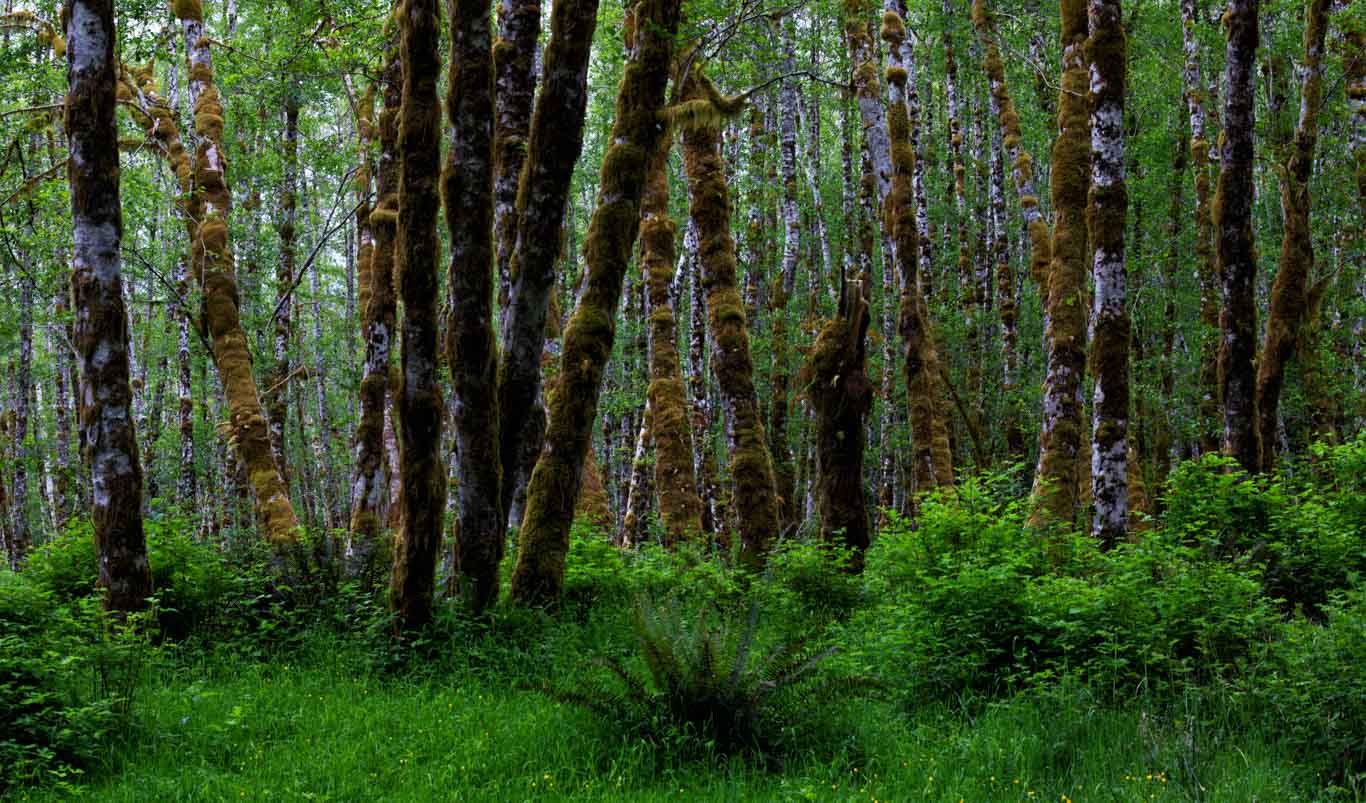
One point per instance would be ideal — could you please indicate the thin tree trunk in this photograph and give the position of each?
(208, 208)
(277, 397)
(1106, 50)
(704, 458)
(755, 497)
(422, 497)
(1237, 264)
(101, 329)
(1290, 309)
(1060, 438)
(554, 484)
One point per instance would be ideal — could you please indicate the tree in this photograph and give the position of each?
(101, 321)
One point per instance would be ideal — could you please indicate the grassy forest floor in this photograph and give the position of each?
(1218, 656)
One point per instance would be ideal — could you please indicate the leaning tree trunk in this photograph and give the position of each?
(1105, 217)
(471, 348)
(554, 484)
(1289, 312)
(370, 492)
(553, 148)
(680, 508)
(101, 328)
(422, 497)
(836, 381)
(754, 500)
(1237, 261)
(208, 207)
(1060, 437)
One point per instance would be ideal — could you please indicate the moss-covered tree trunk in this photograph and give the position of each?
(704, 457)
(422, 497)
(514, 57)
(471, 348)
(931, 458)
(553, 147)
(208, 209)
(378, 307)
(835, 379)
(101, 323)
(755, 497)
(1105, 216)
(680, 508)
(277, 396)
(554, 484)
(1290, 310)
(1060, 438)
(1237, 262)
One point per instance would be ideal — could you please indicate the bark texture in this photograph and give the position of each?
(471, 348)
(1106, 51)
(1060, 437)
(422, 497)
(1289, 312)
(514, 57)
(101, 324)
(755, 498)
(554, 485)
(1237, 262)
(208, 208)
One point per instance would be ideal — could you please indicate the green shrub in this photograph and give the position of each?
(812, 578)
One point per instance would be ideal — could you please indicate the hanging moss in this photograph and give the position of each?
(189, 10)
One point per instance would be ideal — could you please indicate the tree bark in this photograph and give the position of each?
(422, 498)
(1237, 264)
(208, 208)
(101, 322)
(277, 396)
(514, 55)
(1106, 50)
(755, 497)
(554, 484)
(471, 348)
(1290, 310)
(1060, 437)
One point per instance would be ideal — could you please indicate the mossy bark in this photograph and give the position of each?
(277, 394)
(1289, 312)
(422, 498)
(704, 457)
(514, 63)
(680, 508)
(543, 192)
(101, 324)
(1237, 262)
(835, 380)
(471, 348)
(755, 498)
(931, 457)
(378, 305)
(1060, 437)
(1105, 217)
(554, 485)
(208, 208)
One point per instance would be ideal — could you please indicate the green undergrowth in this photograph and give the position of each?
(1219, 656)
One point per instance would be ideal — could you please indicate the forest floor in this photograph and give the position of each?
(320, 728)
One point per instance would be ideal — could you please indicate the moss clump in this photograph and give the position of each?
(896, 76)
(893, 29)
(190, 10)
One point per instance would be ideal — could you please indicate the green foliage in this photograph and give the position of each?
(706, 684)
(810, 579)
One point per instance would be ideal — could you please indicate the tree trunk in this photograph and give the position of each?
(1105, 216)
(1060, 437)
(514, 55)
(101, 329)
(836, 381)
(704, 458)
(471, 347)
(1289, 311)
(554, 484)
(422, 498)
(370, 493)
(554, 146)
(277, 397)
(755, 497)
(208, 208)
(1237, 264)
